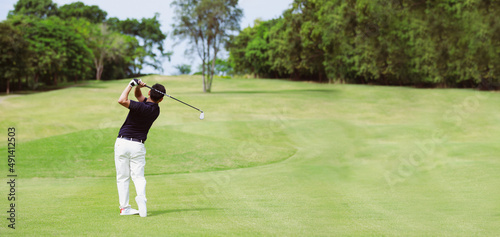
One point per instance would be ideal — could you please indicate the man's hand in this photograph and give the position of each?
(135, 82)
(141, 84)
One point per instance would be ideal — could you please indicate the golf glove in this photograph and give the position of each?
(134, 82)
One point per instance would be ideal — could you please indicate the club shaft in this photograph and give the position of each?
(171, 97)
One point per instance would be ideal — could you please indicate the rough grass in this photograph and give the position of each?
(271, 158)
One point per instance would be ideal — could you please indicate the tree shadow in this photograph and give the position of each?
(161, 212)
(91, 85)
(275, 91)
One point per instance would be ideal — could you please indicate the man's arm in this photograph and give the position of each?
(123, 100)
(138, 93)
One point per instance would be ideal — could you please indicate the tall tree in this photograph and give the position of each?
(79, 10)
(106, 46)
(36, 8)
(257, 50)
(149, 32)
(286, 45)
(53, 43)
(153, 39)
(305, 39)
(250, 51)
(79, 56)
(237, 51)
(192, 26)
(14, 54)
(207, 24)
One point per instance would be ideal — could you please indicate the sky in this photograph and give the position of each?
(122, 9)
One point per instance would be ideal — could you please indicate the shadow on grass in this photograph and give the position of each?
(161, 212)
(276, 91)
(96, 86)
(65, 85)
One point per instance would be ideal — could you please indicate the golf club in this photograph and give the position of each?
(202, 115)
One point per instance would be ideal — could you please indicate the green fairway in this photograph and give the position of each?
(272, 158)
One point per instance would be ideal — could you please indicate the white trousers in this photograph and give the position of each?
(130, 159)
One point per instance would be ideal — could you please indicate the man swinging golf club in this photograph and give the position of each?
(130, 153)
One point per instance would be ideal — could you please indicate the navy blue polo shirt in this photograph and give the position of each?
(140, 117)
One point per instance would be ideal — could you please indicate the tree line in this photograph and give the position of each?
(448, 43)
(43, 44)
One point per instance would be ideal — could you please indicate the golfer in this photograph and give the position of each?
(130, 153)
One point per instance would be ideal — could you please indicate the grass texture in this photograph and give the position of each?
(271, 158)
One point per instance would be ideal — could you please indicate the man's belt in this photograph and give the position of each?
(131, 139)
